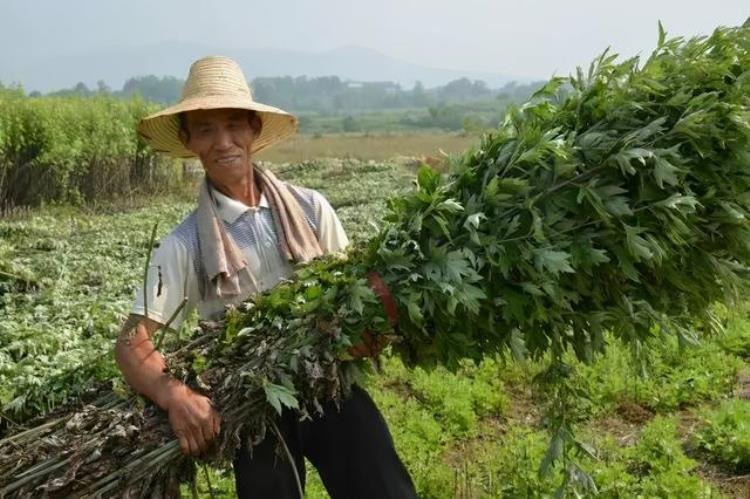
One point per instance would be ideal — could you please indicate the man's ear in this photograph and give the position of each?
(256, 123)
(184, 138)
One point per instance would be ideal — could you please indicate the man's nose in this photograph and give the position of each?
(223, 139)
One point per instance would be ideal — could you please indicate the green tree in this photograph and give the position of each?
(350, 124)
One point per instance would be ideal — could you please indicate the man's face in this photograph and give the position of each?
(221, 138)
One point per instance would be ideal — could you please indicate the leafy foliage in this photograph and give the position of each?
(458, 401)
(620, 207)
(72, 149)
(655, 466)
(725, 434)
(669, 377)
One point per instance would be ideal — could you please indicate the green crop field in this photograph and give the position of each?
(678, 428)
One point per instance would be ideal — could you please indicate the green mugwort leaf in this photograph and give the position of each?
(280, 396)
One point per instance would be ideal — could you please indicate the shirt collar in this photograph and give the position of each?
(231, 209)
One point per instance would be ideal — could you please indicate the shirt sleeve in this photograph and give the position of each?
(166, 284)
(331, 234)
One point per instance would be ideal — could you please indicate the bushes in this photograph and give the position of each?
(661, 464)
(655, 466)
(676, 377)
(457, 400)
(72, 149)
(725, 434)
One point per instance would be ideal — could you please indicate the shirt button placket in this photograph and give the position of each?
(253, 227)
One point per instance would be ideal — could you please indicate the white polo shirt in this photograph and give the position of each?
(176, 270)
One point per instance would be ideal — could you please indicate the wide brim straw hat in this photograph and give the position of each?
(214, 82)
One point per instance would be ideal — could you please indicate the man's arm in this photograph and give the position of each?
(331, 234)
(194, 420)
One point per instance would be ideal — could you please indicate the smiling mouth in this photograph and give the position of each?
(227, 159)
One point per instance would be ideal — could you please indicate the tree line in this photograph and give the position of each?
(325, 94)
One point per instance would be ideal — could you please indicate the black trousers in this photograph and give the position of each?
(352, 450)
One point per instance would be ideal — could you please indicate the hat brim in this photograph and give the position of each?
(161, 130)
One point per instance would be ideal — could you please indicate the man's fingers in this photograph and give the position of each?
(216, 420)
(208, 432)
(195, 445)
(195, 422)
(376, 343)
(369, 345)
(357, 351)
(184, 444)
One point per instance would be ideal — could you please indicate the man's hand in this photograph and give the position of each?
(194, 420)
(369, 346)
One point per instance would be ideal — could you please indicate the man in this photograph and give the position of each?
(247, 227)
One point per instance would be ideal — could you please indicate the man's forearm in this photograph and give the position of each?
(142, 366)
(193, 418)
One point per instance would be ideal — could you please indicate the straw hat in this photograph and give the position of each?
(214, 82)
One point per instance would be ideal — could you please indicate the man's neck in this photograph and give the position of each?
(244, 190)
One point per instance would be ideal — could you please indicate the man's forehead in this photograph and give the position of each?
(203, 116)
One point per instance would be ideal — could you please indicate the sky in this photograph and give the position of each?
(531, 39)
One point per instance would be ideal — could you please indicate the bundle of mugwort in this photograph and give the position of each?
(616, 200)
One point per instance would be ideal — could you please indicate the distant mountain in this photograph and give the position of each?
(114, 66)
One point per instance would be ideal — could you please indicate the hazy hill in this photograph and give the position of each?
(115, 66)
